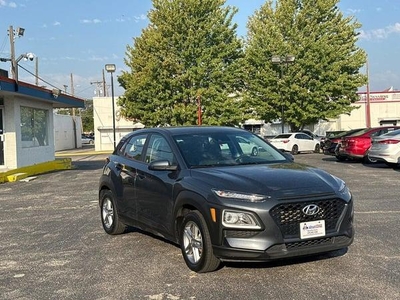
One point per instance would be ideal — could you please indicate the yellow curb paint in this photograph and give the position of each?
(21, 173)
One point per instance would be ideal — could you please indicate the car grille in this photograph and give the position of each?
(288, 216)
(240, 233)
(339, 240)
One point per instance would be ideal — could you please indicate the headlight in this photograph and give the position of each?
(238, 219)
(343, 189)
(240, 196)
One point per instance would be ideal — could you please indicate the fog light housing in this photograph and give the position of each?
(239, 219)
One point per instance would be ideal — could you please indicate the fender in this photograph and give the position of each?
(195, 201)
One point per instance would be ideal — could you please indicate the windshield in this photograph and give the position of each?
(392, 133)
(350, 132)
(226, 149)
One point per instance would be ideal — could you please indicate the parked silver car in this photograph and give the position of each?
(386, 148)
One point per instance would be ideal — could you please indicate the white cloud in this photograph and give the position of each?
(8, 4)
(353, 11)
(380, 33)
(140, 18)
(56, 23)
(87, 21)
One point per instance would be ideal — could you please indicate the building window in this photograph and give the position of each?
(34, 129)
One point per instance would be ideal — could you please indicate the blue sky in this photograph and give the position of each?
(80, 37)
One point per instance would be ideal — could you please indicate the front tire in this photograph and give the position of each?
(109, 214)
(195, 242)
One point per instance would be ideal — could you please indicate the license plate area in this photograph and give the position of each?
(312, 229)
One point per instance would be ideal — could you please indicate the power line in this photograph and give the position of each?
(39, 78)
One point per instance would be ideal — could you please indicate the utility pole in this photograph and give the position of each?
(368, 106)
(12, 48)
(98, 87)
(37, 71)
(104, 85)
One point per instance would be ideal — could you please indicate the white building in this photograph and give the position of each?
(384, 109)
(27, 122)
(103, 123)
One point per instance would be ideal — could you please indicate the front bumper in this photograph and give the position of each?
(280, 237)
(286, 250)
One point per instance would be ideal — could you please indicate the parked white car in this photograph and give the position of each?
(247, 146)
(386, 148)
(295, 142)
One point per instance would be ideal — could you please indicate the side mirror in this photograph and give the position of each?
(288, 155)
(162, 165)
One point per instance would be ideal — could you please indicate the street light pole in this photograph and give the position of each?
(110, 68)
(278, 60)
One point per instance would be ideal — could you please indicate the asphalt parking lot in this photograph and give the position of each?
(53, 247)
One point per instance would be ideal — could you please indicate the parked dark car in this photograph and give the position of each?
(332, 144)
(196, 187)
(356, 145)
(329, 135)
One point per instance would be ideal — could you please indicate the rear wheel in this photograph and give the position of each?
(392, 165)
(196, 244)
(254, 151)
(295, 150)
(340, 158)
(109, 215)
(317, 148)
(369, 160)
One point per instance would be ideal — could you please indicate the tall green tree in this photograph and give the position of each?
(188, 55)
(324, 78)
(87, 117)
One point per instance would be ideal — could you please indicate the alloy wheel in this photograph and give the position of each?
(193, 242)
(108, 213)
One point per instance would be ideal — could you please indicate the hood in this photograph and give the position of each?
(278, 180)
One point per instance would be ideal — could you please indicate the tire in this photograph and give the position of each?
(196, 244)
(91, 142)
(109, 214)
(369, 160)
(340, 158)
(295, 150)
(391, 165)
(317, 148)
(254, 151)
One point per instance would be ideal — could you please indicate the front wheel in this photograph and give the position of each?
(109, 215)
(195, 242)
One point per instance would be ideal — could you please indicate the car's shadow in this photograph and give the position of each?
(287, 261)
(377, 165)
(88, 164)
(254, 265)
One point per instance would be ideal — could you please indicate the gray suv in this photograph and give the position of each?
(197, 187)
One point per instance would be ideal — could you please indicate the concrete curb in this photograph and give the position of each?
(21, 173)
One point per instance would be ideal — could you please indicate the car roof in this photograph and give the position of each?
(368, 130)
(190, 129)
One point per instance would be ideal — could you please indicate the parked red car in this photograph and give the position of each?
(356, 145)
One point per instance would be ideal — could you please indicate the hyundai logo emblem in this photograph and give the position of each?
(311, 209)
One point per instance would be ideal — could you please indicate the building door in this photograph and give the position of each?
(1, 138)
